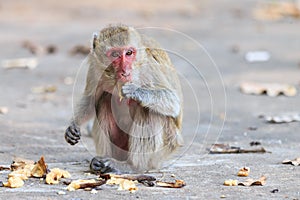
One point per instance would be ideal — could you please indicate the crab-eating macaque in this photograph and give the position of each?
(134, 94)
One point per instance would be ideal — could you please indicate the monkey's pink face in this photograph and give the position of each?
(122, 59)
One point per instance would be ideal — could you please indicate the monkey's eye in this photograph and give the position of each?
(129, 52)
(115, 54)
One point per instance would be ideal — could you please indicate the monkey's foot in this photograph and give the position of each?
(101, 165)
(72, 134)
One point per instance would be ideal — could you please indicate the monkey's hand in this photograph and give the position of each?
(161, 100)
(72, 134)
(132, 91)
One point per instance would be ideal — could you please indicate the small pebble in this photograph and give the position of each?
(252, 128)
(68, 80)
(275, 191)
(93, 191)
(61, 192)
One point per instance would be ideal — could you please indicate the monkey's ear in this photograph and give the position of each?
(95, 37)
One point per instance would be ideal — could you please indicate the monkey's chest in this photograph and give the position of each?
(122, 111)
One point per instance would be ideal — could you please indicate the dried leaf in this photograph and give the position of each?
(3, 110)
(124, 184)
(244, 171)
(230, 182)
(250, 182)
(37, 49)
(271, 89)
(20, 163)
(82, 184)
(40, 168)
(176, 184)
(255, 143)
(226, 148)
(44, 89)
(33, 47)
(55, 175)
(276, 11)
(21, 173)
(29, 63)
(138, 178)
(127, 185)
(14, 182)
(21, 168)
(4, 168)
(80, 49)
(294, 162)
(283, 118)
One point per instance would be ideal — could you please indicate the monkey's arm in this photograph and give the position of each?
(164, 101)
(83, 112)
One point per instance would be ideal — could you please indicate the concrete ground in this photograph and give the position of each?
(215, 109)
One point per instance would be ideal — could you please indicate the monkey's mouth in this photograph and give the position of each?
(124, 76)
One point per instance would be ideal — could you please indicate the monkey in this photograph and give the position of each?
(134, 94)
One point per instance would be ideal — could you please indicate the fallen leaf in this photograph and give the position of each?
(24, 174)
(44, 89)
(226, 148)
(20, 163)
(14, 182)
(55, 175)
(51, 49)
(250, 182)
(255, 143)
(176, 184)
(37, 49)
(81, 184)
(80, 49)
(33, 47)
(3, 110)
(244, 171)
(40, 168)
(138, 178)
(276, 11)
(126, 184)
(294, 162)
(271, 89)
(4, 168)
(29, 63)
(230, 182)
(21, 168)
(283, 118)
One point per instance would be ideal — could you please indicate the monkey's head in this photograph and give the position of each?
(118, 47)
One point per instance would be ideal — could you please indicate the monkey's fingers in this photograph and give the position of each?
(128, 90)
(72, 135)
